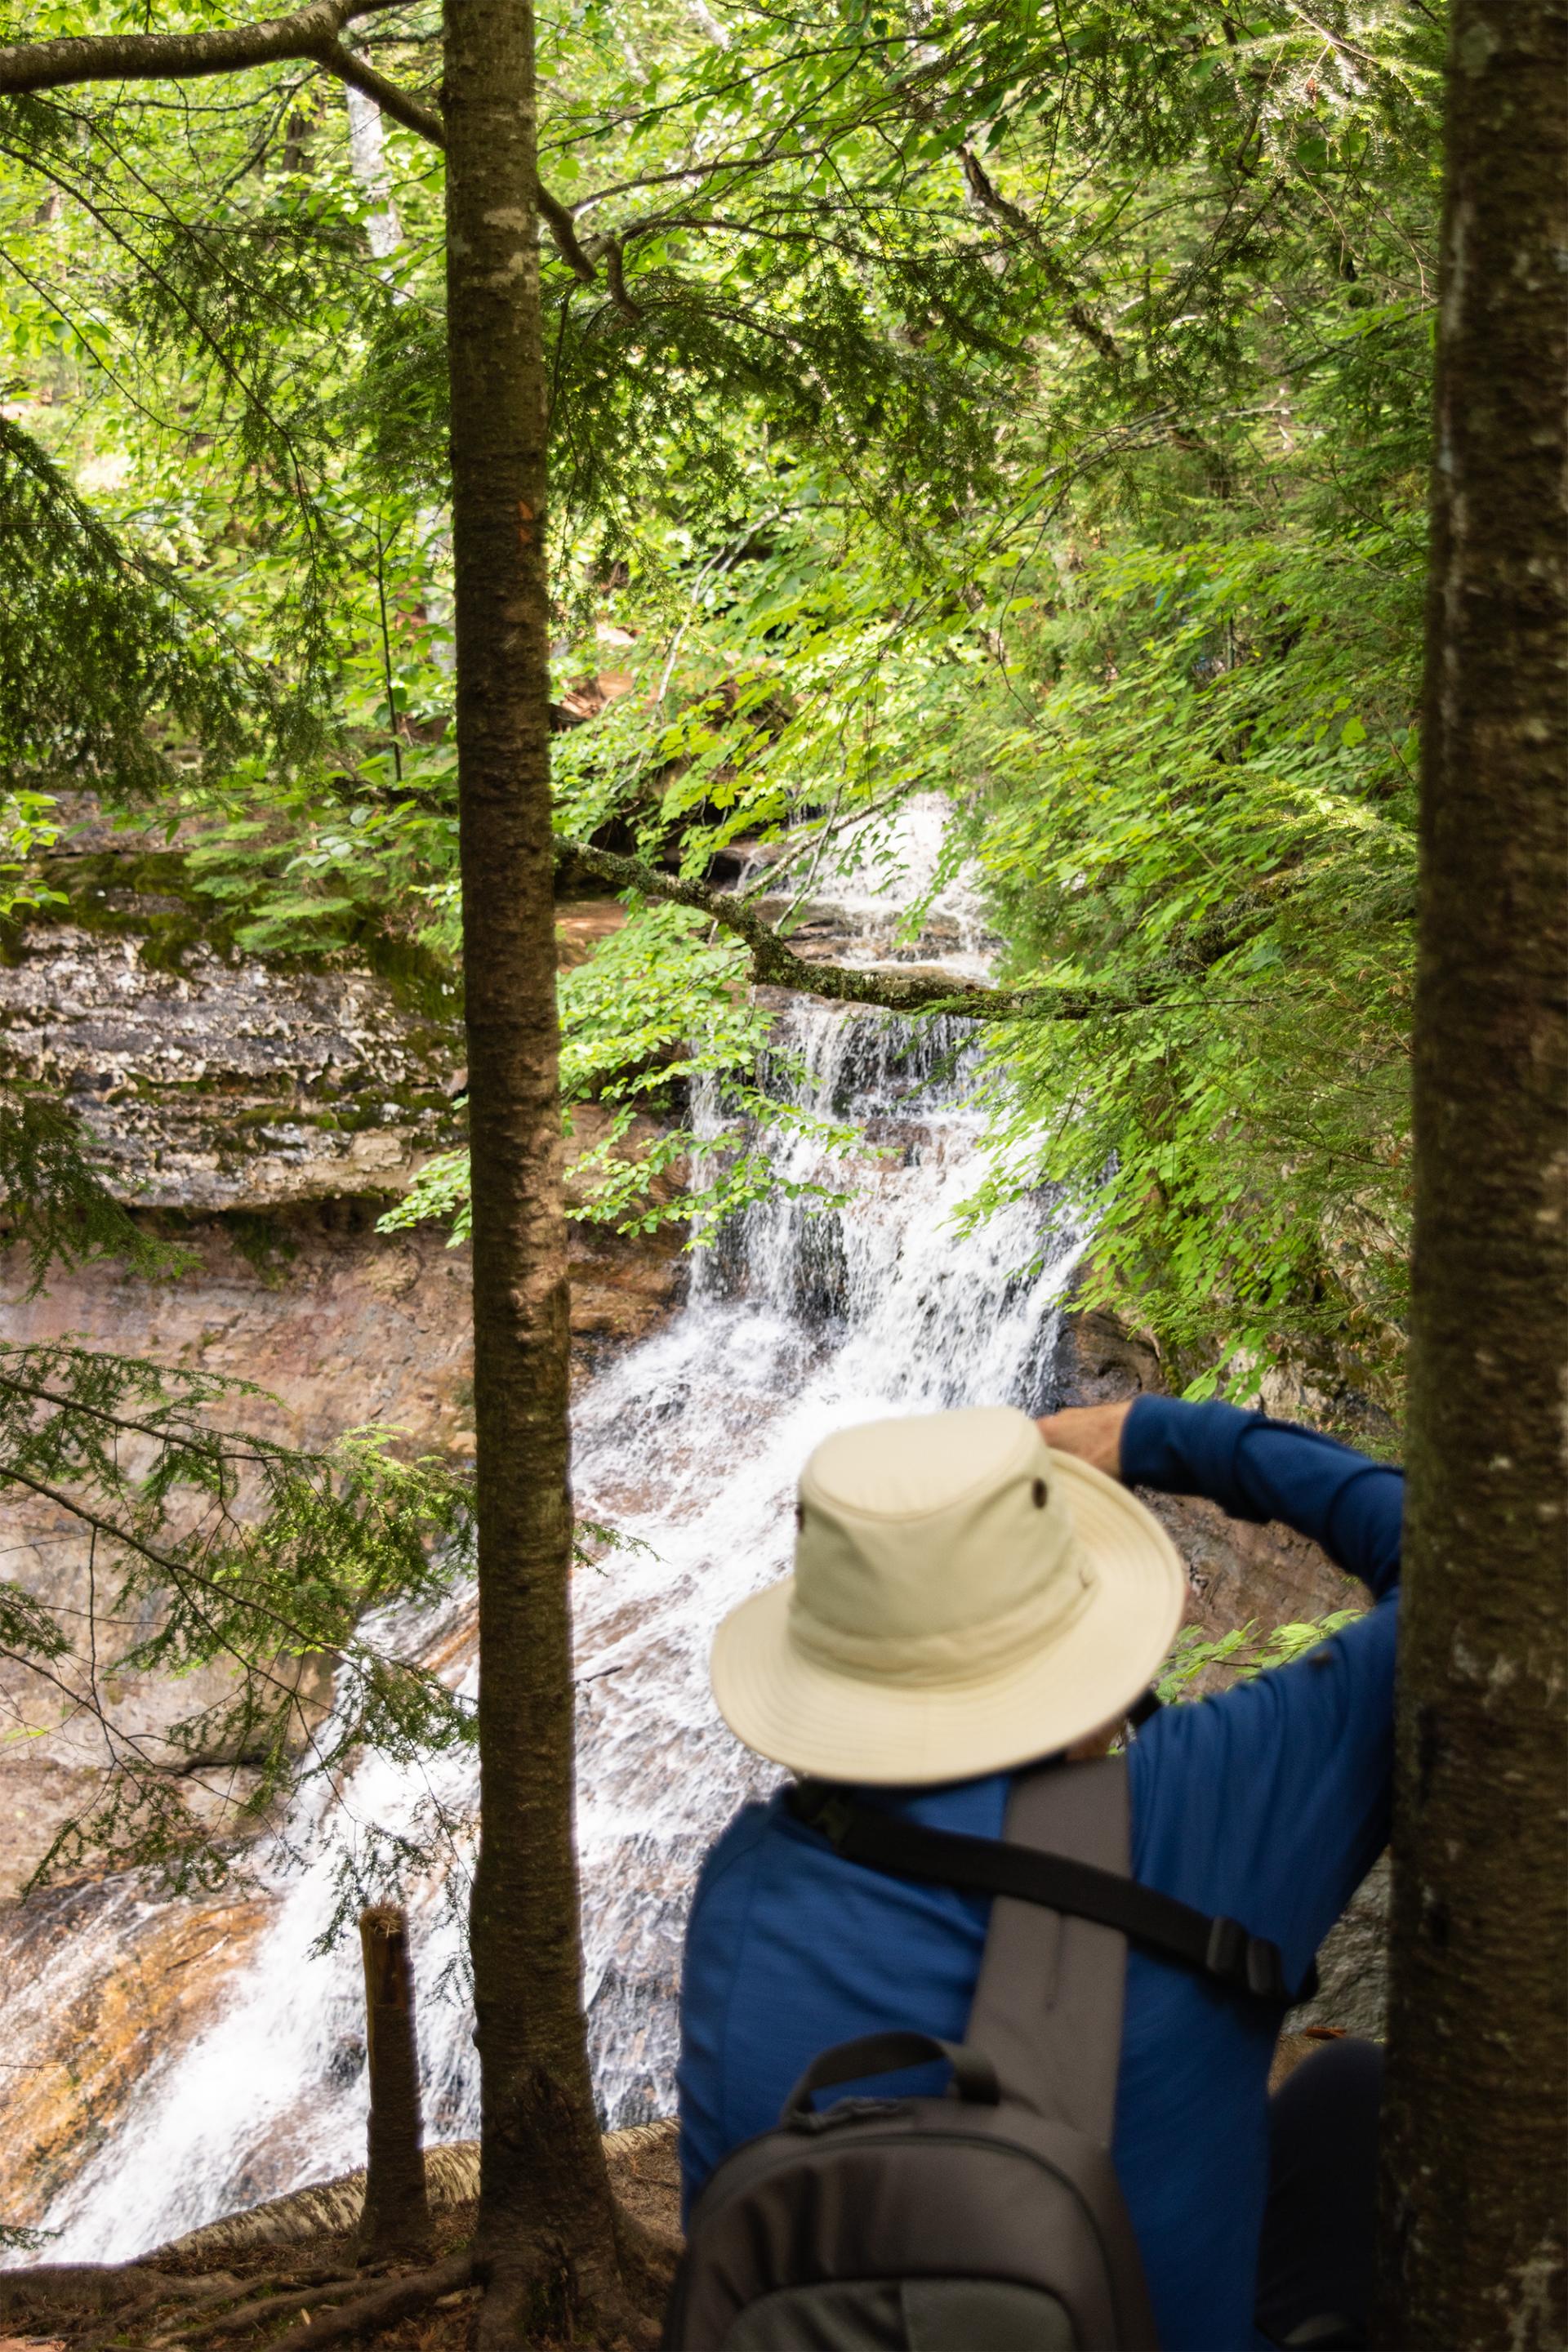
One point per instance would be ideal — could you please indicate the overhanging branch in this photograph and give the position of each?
(312, 33)
(991, 200)
(774, 964)
(179, 57)
(391, 99)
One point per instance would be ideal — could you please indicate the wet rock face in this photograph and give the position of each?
(341, 1327)
(1236, 1571)
(86, 2037)
(267, 1113)
(1353, 1965)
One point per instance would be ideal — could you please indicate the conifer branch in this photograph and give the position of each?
(313, 33)
(991, 200)
(775, 964)
(562, 228)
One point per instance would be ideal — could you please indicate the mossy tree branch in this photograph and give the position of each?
(775, 964)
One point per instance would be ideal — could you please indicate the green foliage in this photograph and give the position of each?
(1241, 1653)
(54, 1201)
(98, 635)
(27, 830)
(1026, 404)
(656, 1012)
(1210, 807)
(221, 1549)
(16, 2239)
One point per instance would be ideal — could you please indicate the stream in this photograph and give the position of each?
(795, 1323)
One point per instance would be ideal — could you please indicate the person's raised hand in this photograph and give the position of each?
(1092, 1432)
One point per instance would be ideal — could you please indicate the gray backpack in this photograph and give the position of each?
(989, 2220)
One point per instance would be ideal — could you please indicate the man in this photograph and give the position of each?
(924, 1650)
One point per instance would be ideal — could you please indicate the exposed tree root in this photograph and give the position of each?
(394, 2299)
(70, 2286)
(612, 2297)
(330, 2286)
(220, 2286)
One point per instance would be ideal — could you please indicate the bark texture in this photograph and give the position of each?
(396, 2217)
(546, 2227)
(1473, 2142)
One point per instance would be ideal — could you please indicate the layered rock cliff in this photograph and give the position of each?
(263, 1115)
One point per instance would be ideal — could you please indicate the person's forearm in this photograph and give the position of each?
(1256, 1468)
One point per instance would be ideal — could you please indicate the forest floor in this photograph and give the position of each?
(263, 2293)
(186, 2299)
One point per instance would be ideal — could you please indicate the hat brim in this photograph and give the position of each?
(852, 1727)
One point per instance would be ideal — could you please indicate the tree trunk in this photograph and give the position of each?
(396, 2217)
(546, 2228)
(1473, 2186)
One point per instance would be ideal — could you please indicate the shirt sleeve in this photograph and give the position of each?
(1256, 1468)
(1269, 1802)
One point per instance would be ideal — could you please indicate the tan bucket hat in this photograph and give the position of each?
(964, 1599)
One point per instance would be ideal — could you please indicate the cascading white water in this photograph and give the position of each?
(797, 1323)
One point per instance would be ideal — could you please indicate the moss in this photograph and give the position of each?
(152, 895)
(147, 895)
(264, 1243)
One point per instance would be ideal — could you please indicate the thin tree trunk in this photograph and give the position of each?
(367, 162)
(396, 2217)
(1474, 2180)
(546, 2229)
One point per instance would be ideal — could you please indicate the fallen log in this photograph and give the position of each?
(329, 2207)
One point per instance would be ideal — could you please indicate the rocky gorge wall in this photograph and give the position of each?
(262, 1116)
(265, 1115)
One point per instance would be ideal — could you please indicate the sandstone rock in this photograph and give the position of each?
(91, 2036)
(268, 1112)
(1236, 1571)
(341, 1327)
(227, 1083)
(1352, 1966)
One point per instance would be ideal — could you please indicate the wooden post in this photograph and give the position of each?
(396, 2217)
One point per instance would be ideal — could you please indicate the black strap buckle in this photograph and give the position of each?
(1245, 1963)
(1222, 1949)
(824, 1808)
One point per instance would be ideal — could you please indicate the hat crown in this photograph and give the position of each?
(921, 1540)
(926, 1462)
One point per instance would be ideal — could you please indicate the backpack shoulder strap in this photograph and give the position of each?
(1218, 1949)
(1047, 2006)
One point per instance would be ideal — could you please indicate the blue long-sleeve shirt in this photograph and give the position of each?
(1267, 1803)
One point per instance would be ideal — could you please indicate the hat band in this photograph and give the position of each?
(964, 1653)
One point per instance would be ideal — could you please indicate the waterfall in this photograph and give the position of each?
(797, 1322)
